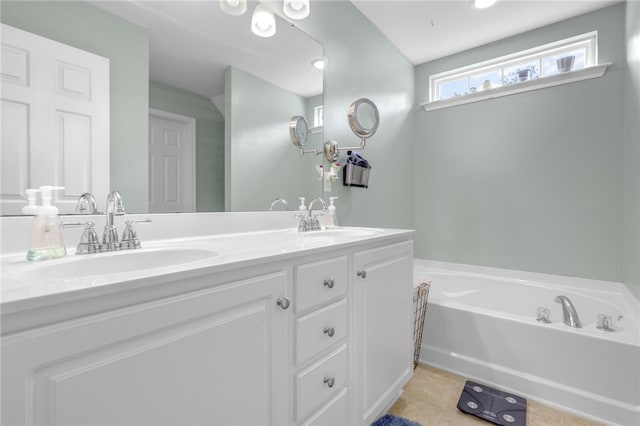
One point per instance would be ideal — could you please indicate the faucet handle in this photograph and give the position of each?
(130, 236)
(542, 315)
(605, 322)
(89, 240)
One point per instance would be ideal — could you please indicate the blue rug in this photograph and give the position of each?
(391, 420)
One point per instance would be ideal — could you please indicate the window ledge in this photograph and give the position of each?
(525, 86)
(317, 129)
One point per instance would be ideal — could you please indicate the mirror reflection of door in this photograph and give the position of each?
(54, 118)
(172, 182)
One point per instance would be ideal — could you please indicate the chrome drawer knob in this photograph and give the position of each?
(283, 302)
(362, 274)
(329, 283)
(330, 381)
(330, 331)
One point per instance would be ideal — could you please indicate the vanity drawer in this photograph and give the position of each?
(320, 329)
(319, 383)
(336, 412)
(319, 282)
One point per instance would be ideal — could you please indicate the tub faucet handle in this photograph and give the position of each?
(605, 322)
(543, 314)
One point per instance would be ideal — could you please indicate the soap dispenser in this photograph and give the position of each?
(46, 233)
(32, 207)
(332, 219)
(302, 207)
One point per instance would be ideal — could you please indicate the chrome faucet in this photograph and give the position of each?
(114, 208)
(324, 205)
(86, 204)
(281, 201)
(569, 314)
(310, 222)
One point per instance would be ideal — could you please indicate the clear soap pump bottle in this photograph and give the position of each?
(302, 207)
(46, 233)
(332, 218)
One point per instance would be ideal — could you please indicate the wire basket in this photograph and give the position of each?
(420, 296)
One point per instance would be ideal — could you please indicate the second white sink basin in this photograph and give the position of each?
(109, 263)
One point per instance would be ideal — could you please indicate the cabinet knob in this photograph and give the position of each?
(330, 331)
(330, 381)
(283, 302)
(362, 273)
(329, 282)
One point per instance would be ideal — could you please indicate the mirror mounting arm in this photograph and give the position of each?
(310, 151)
(332, 149)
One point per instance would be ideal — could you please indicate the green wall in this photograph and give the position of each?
(631, 268)
(209, 140)
(261, 157)
(532, 181)
(126, 46)
(361, 62)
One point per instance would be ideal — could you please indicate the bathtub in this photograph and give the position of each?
(481, 324)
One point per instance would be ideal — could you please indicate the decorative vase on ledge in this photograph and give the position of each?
(565, 63)
(524, 75)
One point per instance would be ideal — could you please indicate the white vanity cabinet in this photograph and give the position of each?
(216, 356)
(316, 337)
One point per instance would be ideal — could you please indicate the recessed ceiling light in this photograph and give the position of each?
(482, 4)
(318, 63)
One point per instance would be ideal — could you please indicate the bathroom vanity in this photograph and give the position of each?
(264, 327)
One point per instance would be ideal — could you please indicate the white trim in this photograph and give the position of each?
(525, 86)
(190, 144)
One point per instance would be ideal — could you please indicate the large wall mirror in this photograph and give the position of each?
(187, 68)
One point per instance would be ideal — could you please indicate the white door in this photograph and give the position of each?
(55, 120)
(171, 162)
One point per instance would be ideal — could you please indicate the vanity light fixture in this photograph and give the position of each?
(482, 4)
(233, 7)
(263, 22)
(318, 64)
(296, 9)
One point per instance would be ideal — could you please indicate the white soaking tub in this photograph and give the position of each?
(481, 323)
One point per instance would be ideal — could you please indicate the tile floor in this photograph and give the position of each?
(430, 398)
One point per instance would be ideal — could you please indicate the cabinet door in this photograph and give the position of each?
(216, 357)
(383, 327)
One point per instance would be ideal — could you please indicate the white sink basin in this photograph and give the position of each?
(109, 263)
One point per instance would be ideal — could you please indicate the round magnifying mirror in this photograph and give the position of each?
(363, 117)
(299, 130)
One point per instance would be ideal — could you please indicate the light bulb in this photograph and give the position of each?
(263, 22)
(482, 4)
(233, 7)
(296, 9)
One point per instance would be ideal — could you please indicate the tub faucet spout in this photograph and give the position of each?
(569, 313)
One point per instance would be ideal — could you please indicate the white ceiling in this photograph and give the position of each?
(429, 29)
(192, 42)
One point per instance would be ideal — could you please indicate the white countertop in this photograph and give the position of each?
(25, 284)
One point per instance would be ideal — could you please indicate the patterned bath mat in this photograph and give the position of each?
(391, 420)
(493, 405)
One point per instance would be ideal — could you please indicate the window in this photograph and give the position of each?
(572, 54)
(318, 116)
